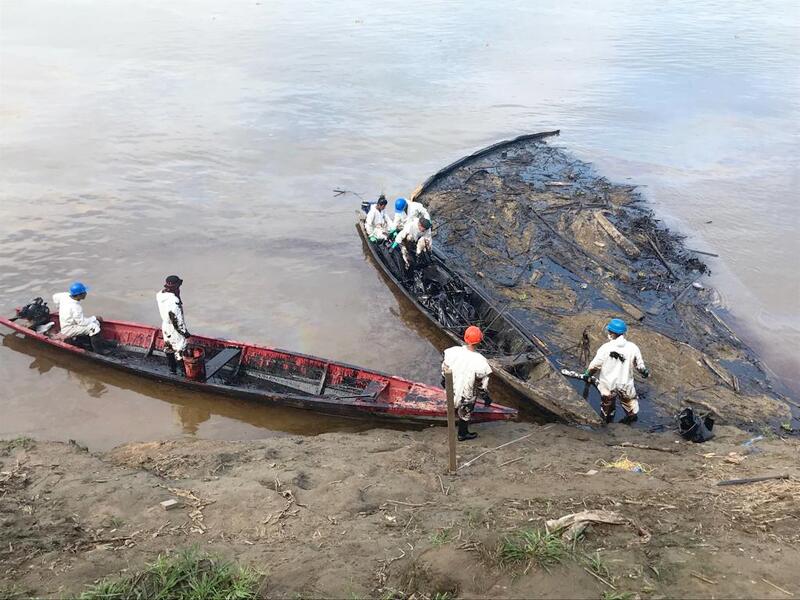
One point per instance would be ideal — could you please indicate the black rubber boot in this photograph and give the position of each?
(172, 363)
(629, 419)
(464, 433)
(98, 347)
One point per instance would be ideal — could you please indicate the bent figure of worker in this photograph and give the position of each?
(377, 222)
(404, 212)
(470, 379)
(616, 360)
(173, 323)
(416, 237)
(73, 323)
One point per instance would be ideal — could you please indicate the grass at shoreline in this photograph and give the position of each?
(186, 575)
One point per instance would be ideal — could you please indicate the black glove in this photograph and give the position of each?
(645, 372)
(484, 395)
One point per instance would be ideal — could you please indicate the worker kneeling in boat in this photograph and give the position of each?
(470, 379)
(377, 222)
(72, 321)
(173, 324)
(404, 212)
(616, 360)
(415, 237)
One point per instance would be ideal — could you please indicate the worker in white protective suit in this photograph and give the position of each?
(377, 222)
(173, 323)
(616, 361)
(470, 379)
(404, 212)
(415, 239)
(73, 323)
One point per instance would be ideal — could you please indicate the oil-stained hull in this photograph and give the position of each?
(451, 302)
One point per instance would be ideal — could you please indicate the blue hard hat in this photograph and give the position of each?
(400, 204)
(617, 326)
(77, 288)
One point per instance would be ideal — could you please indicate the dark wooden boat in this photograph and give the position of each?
(451, 301)
(269, 376)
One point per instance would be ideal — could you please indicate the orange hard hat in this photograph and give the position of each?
(473, 335)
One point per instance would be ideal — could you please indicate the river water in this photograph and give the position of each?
(140, 139)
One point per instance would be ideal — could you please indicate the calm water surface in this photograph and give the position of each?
(138, 139)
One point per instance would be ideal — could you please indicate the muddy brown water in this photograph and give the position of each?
(142, 139)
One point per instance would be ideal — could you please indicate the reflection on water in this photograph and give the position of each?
(188, 411)
(141, 139)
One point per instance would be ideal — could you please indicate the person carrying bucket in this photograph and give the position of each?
(470, 379)
(173, 323)
(616, 360)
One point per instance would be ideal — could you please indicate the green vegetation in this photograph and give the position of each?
(23, 442)
(596, 565)
(187, 575)
(442, 536)
(533, 547)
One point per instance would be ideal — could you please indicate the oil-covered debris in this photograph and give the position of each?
(566, 249)
(453, 302)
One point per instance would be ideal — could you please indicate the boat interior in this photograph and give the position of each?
(244, 367)
(455, 305)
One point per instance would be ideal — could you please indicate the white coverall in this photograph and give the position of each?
(467, 367)
(377, 223)
(71, 319)
(414, 210)
(174, 337)
(423, 240)
(616, 372)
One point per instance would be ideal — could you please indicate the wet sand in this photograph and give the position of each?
(374, 514)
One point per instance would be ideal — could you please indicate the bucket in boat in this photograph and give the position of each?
(194, 362)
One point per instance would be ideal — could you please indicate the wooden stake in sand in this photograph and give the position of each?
(451, 420)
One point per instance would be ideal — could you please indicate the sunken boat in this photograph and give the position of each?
(556, 250)
(261, 374)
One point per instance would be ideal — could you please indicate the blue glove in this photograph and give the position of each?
(586, 375)
(394, 245)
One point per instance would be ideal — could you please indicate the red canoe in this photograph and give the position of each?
(270, 375)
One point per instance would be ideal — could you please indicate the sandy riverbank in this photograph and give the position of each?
(367, 515)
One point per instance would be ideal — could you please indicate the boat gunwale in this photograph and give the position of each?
(318, 403)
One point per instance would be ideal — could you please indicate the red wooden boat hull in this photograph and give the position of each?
(273, 376)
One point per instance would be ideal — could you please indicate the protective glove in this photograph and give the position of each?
(484, 395)
(645, 372)
(586, 375)
(392, 232)
(373, 239)
(394, 245)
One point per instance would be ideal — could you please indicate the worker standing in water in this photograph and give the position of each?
(616, 360)
(72, 322)
(415, 237)
(470, 379)
(173, 323)
(404, 212)
(377, 222)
